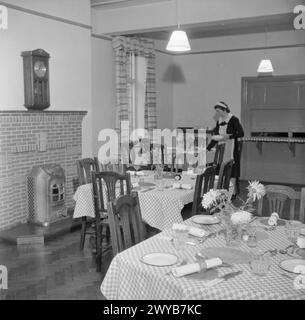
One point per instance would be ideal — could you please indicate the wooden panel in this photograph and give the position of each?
(282, 94)
(302, 95)
(277, 120)
(256, 94)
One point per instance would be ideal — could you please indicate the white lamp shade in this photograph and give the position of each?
(265, 66)
(178, 42)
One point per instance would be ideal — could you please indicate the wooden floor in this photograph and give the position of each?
(58, 269)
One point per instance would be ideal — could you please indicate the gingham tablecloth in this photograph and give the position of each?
(129, 279)
(160, 209)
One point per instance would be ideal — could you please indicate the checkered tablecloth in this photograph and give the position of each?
(160, 209)
(129, 279)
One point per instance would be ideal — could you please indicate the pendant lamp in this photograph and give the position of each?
(265, 65)
(178, 41)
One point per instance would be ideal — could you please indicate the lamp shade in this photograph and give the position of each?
(265, 66)
(178, 42)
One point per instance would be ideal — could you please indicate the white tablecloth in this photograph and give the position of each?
(128, 278)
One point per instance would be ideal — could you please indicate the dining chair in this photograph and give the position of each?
(225, 175)
(84, 168)
(107, 185)
(204, 183)
(125, 220)
(218, 157)
(277, 195)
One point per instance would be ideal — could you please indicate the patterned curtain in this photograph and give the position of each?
(123, 47)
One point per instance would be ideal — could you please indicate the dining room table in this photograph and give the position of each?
(130, 276)
(160, 202)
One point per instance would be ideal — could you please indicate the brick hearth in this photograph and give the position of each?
(29, 138)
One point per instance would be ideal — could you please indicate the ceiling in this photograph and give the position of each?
(207, 29)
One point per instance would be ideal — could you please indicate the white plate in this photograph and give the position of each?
(290, 264)
(159, 259)
(201, 219)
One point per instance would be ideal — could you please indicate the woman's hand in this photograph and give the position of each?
(226, 137)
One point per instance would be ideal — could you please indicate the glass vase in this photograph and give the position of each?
(233, 234)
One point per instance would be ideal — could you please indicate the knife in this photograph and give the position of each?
(222, 278)
(151, 188)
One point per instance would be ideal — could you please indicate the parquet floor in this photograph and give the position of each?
(57, 270)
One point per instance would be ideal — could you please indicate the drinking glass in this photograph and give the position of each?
(292, 230)
(180, 238)
(260, 264)
(252, 240)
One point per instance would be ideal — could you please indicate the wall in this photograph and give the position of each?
(103, 88)
(207, 78)
(164, 86)
(67, 42)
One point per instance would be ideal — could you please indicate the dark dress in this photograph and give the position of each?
(235, 130)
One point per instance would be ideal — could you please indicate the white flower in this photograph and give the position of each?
(256, 190)
(209, 199)
(240, 217)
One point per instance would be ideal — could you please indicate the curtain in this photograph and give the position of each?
(124, 48)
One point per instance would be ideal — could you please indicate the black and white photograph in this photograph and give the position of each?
(152, 151)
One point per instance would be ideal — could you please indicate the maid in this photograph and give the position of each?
(228, 127)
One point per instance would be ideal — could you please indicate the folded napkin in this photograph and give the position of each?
(135, 185)
(186, 269)
(301, 242)
(194, 231)
(272, 221)
(184, 186)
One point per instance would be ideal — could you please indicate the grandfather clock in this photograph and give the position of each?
(36, 79)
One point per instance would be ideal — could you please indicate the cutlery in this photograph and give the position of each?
(210, 235)
(151, 188)
(220, 279)
(272, 252)
(285, 251)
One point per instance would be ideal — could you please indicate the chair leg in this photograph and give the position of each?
(83, 233)
(98, 248)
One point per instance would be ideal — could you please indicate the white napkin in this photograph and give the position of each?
(139, 173)
(132, 173)
(194, 231)
(186, 186)
(186, 269)
(301, 242)
(135, 185)
(272, 221)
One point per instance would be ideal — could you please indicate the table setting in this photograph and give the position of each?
(195, 259)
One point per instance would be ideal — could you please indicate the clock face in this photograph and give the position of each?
(40, 68)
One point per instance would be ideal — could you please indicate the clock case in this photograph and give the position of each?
(36, 89)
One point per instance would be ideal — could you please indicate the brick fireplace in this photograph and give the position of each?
(31, 138)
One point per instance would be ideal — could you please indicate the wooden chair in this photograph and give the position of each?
(225, 175)
(84, 168)
(109, 181)
(218, 157)
(125, 220)
(277, 195)
(207, 180)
